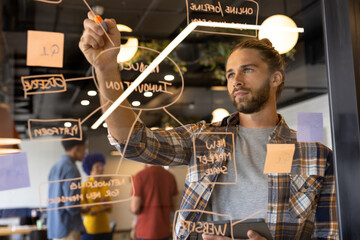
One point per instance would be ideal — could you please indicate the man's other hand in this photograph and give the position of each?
(254, 235)
(251, 234)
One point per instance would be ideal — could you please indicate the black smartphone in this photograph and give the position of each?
(239, 229)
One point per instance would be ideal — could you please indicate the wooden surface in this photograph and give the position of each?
(23, 229)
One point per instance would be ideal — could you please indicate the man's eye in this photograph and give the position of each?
(248, 70)
(230, 75)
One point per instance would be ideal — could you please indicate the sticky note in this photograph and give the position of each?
(14, 171)
(279, 158)
(310, 127)
(45, 49)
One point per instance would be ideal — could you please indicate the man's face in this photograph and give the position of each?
(81, 151)
(97, 168)
(248, 80)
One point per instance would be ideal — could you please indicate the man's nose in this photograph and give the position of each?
(238, 81)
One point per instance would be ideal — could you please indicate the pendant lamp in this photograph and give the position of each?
(9, 137)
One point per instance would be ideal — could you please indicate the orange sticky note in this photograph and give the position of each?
(45, 49)
(279, 158)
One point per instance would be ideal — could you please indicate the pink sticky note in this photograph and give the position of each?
(310, 127)
(279, 158)
(14, 171)
(45, 49)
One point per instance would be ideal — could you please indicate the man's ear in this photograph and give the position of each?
(276, 79)
(74, 149)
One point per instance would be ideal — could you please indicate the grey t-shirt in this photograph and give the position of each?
(249, 194)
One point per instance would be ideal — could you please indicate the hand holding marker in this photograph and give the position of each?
(99, 21)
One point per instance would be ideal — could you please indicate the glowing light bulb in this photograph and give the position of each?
(136, 103)
(85, 102)
(283, 41)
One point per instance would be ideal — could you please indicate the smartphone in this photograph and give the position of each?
(223, 228)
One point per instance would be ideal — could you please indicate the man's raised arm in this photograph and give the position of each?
(102, 55)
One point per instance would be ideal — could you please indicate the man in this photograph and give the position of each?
(154, 198)
(299, 205)
(64, 222)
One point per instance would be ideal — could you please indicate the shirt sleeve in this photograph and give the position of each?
(74, 194)
(162, 147)
(326, 224)
(137, 186)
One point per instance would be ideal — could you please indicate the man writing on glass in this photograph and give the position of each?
(299, 205)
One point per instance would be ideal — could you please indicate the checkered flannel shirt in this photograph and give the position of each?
(301, 205)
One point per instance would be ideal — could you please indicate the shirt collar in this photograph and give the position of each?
(281, 131)
(66, 157)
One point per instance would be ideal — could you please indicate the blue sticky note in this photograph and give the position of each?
(14, 171)
(310, 127)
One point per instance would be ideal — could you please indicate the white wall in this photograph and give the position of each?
(319, 105)
(41, 156)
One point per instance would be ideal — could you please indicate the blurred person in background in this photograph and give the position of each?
(96, 218)
(154, 199)
(64, 222)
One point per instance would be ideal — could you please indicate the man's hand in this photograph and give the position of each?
(252, 235)
(94, 41)
(102, 55)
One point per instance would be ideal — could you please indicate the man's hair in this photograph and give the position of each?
(69, 144)
(268, 54)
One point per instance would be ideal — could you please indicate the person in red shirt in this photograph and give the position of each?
(154, 197)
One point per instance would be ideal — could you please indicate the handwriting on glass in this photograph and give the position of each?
(204, 227)
(161, 87)
(43, 84)
(92, 195)
(215, 155)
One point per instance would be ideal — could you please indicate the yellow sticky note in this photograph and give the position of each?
(45, 49)
(279, 158)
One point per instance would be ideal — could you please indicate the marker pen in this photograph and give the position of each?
(98, 20)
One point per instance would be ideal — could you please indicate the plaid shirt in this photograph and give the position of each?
(301, 204)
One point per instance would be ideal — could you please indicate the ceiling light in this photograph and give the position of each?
(105, 125)
(127, 50)
(115, 153)
(148, 94)
(169, 77)
(283, 41)
(67, 124)
(9, 141)
(85, 102)
(191, 106)
(219, 88)
(136, 103)
(92, 93)
(4, 151)
(218, 114)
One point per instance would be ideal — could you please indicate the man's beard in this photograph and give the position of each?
(255, 103)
